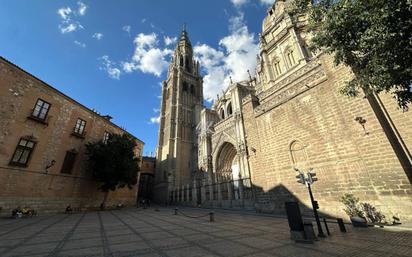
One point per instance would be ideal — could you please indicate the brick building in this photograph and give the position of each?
(292, 116)
(42, 144)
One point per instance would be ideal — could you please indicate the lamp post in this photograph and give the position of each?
(308, 180)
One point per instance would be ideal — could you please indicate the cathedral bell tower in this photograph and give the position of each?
(182, 102)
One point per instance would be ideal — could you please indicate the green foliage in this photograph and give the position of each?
(372, 214)
(353, 208)
(373, 37)
(113, 163)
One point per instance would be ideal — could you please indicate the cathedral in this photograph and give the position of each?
(245, 150)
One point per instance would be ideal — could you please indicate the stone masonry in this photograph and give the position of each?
(31, 185)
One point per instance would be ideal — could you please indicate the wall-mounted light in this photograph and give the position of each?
(362, 122)
(48, 166)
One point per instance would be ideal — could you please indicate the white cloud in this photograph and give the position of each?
(68, 28)
(267, 2)
(147, 57)
(82, 8)
(238, 3)
(97, 35)
(155, 120)
(127, 28)
(68, 24)
(109, 67)
(169, 40)
(156, 110)
(83, 45)
(64, 12)
(236, 56)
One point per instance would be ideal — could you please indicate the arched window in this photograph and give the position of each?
(168, 93)
(229, 109)
(181, 61)
(187, 66)
(185, 86)
(290, 58)
(276, 67)
(222, 113)
(192, 89)
(298, 154)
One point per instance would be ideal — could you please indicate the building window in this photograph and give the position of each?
(68, 162)
(229, 109)
(106, 136)
(222, 113)
(290, 58)
(41, 109)
(298, 154)
(185, 86)
(277, 68)
(23, 152)
(79, 128)
(192, 89)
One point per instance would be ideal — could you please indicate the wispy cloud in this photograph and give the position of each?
(169, 40)
(239, 3)
(155, 120)
(97, 35)
(82, 8)
(68, 22)
(78, 43)
(109, 67)
(127, 28)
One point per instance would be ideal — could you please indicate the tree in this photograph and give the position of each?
(113, 163)
(373, 37)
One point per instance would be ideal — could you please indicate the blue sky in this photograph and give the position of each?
(111, 55)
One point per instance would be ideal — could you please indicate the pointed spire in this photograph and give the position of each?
(183, 36)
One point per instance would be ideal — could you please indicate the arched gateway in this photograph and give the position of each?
(227, 162)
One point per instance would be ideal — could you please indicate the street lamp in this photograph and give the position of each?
(308, 180)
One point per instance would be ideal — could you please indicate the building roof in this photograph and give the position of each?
(104, 117)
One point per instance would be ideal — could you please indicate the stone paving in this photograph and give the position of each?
(138, 232)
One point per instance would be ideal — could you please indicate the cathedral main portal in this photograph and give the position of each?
(227, 163)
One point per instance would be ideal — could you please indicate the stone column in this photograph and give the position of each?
(266, 64)
(188, 193)
(242, 200)
(203, 191)
(184, 194)
(219, 190)
(194, 193)
(229, 192)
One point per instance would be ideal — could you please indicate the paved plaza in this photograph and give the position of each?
(158, 232)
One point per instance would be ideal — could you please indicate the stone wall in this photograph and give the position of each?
(318, 128)
(32, 185)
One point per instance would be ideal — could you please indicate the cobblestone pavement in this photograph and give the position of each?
(137, 232)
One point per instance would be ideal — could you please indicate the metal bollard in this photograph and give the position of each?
(175, 211)
(211, 216)
(326, 226)
(341, 225)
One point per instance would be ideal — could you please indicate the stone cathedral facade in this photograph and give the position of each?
(290, 116)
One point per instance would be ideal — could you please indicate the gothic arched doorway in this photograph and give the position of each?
(227, 162)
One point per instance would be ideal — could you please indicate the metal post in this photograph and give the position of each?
(326, 226)
(341, 225)
(211, 216)
(315, 212)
